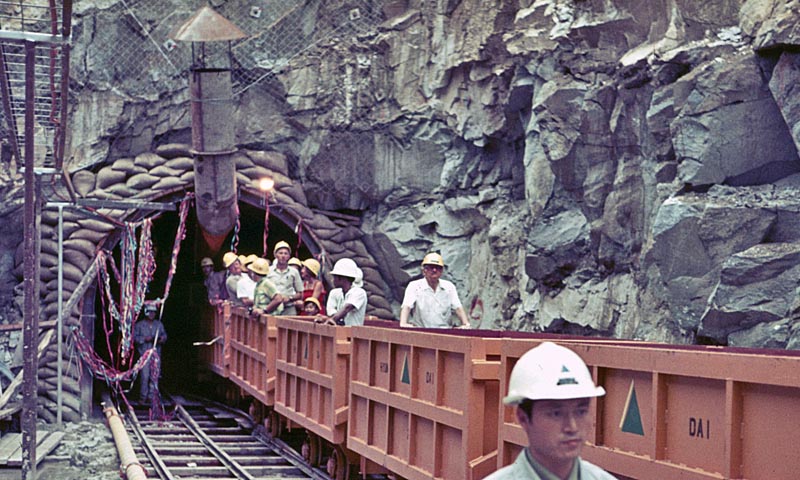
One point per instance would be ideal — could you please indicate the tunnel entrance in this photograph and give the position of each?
(187, 297)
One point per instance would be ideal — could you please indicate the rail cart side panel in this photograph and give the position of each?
(313, 365)
(250, 354)
(678, 412)
(424, 404)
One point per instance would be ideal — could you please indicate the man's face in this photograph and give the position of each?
(432, 272)
(556, 429)
(207, 270)
(282, 256)
(235, 268)
(341, 282)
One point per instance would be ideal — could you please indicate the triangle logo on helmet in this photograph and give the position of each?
(566, 380)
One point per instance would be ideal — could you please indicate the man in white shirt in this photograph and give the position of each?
(245, 289)
(431, 299)
(347, 277)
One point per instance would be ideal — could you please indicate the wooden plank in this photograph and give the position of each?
(48, 445)
(8, 411)
(10, 443)
(44, 445)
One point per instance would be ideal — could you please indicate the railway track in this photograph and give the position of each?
(208, 441)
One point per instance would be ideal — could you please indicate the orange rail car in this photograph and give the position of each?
(217, 329)
(426, 404)
(313, 363)
(680, 412)
(252, 354)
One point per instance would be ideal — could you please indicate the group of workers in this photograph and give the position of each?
(550, 385)
(288, 286)
(280, 289)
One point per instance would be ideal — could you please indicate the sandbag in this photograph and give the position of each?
(83, 181)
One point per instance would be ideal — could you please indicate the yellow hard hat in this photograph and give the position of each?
(312, 265)
(260, 266)
(229, 258)
(433, 259)
(250, 259)
(295, 261)
(314, 301)
(243, 261)
(281, 244)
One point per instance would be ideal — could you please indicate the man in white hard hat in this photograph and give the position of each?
(347, 278)
(552, 390)
(431, 299)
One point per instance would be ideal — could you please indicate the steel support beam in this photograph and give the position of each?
(31, 277)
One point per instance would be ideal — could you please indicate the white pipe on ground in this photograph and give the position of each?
(129, 464)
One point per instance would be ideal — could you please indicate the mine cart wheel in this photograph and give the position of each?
(315, 450)
(338, 467)
(273, 425)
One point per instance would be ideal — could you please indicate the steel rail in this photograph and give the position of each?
(231, 464)
(156, 462)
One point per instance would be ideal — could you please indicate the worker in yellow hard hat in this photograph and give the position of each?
(552, 390)
(312, 285)
(266, 298)
(234, 266)
(430, 301)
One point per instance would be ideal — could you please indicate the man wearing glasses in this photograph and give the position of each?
(430, 301)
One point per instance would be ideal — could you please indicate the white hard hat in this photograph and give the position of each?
(346, 268)
(550, 372)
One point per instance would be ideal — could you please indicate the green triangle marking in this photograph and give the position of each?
(564, 369)
(405, 377)
(632, 418)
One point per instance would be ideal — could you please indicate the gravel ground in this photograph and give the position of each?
(86, 452)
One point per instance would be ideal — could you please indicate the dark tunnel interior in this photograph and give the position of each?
(185, 304)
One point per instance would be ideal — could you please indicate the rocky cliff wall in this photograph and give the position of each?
(609, 167)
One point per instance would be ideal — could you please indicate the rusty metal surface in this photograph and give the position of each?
(31, 278)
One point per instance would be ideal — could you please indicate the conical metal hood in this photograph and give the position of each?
(206, 25)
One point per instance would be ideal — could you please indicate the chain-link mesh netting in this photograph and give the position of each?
(141, 60)
(125, 46)
(40, 19)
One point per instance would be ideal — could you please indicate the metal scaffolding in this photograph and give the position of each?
(34, 72)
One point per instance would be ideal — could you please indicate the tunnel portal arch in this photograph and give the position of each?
(166, 176)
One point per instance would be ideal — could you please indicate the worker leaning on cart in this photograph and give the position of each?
(552, 389)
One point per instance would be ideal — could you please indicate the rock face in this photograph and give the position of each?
(609, 167)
